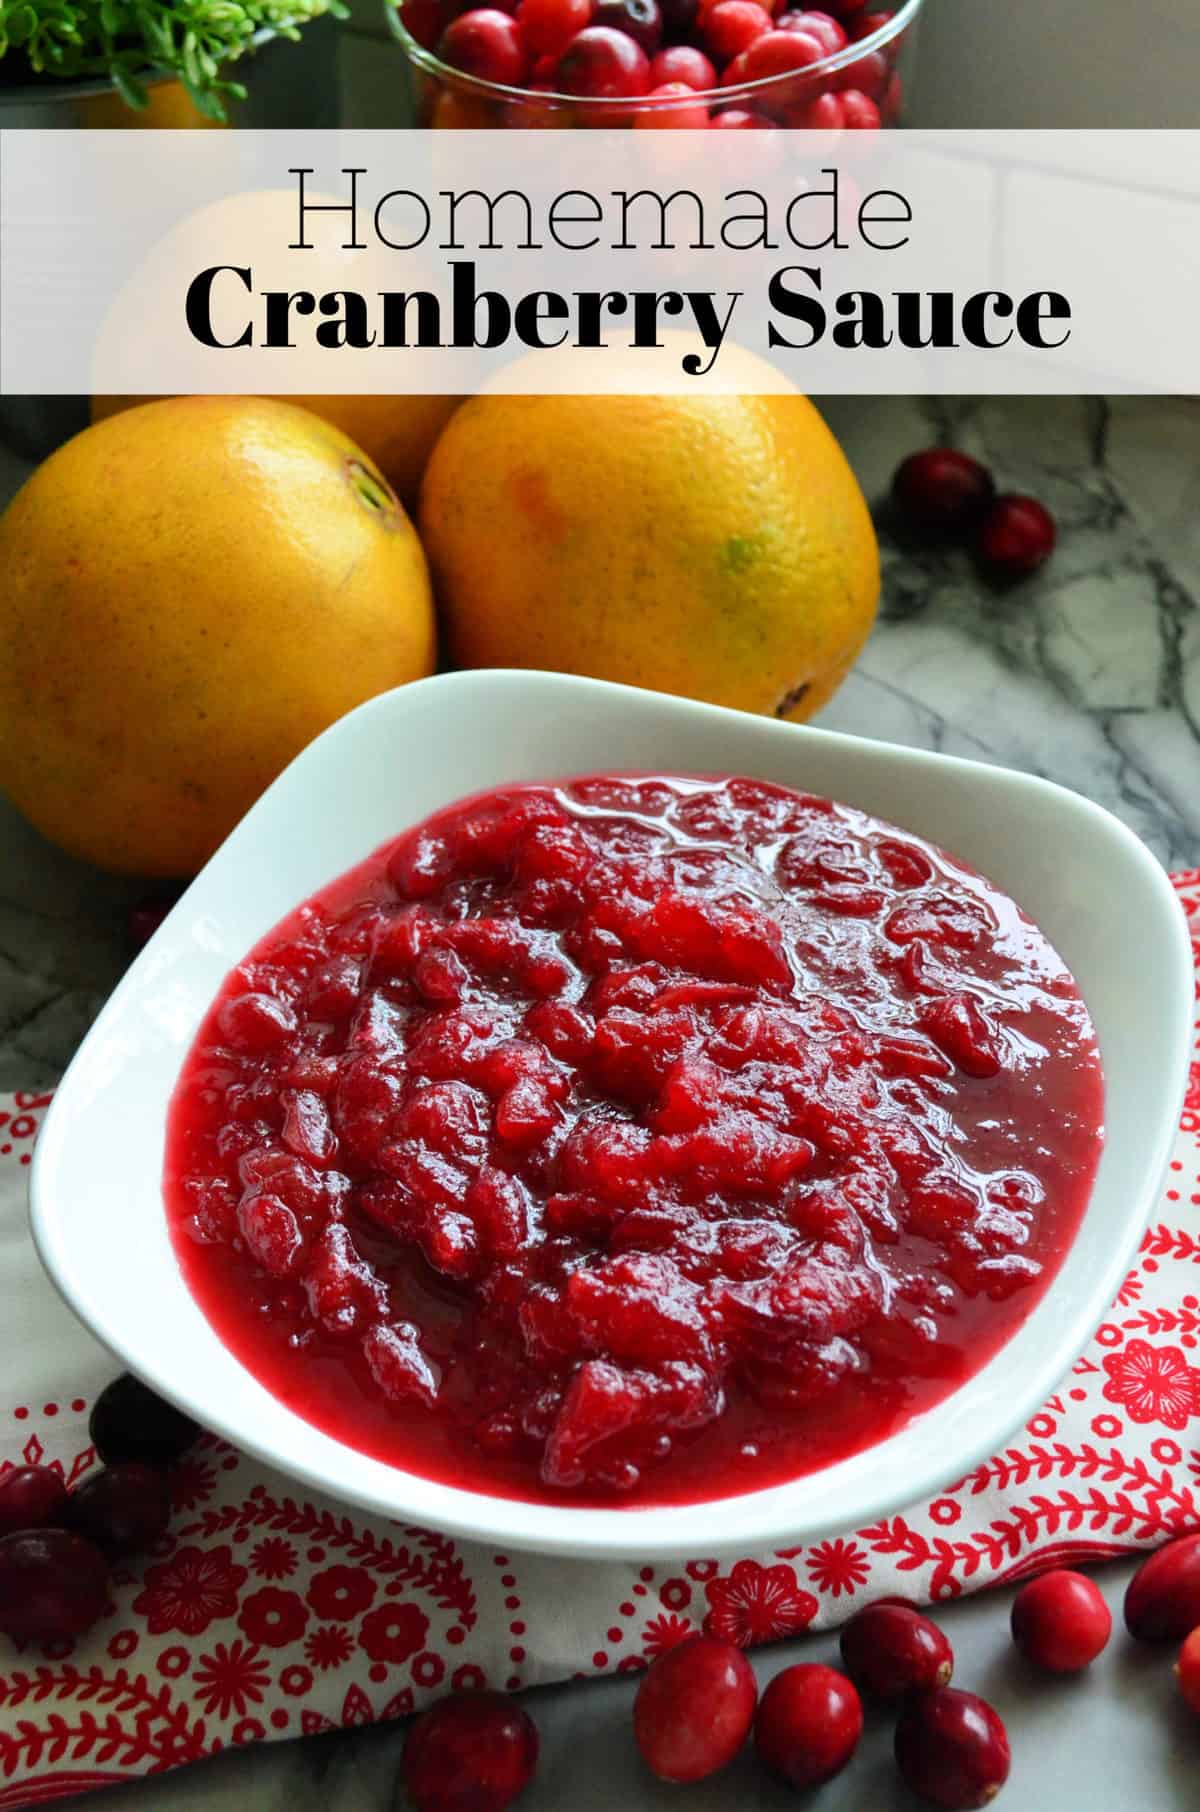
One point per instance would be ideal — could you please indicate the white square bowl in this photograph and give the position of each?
(97, 1205)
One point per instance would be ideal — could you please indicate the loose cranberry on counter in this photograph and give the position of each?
(640, 20)
(808, 1725)
(732, 27)
(601, 63)
(952, 1749)
(128, 1422)
(486, 43)
(1162, 1600)
(682, 63)
(694, 1709)
(780, 53)
(1060, 1621)
(53, 1585)
(472, 1752)
(688, 113)
(30, 1498)
(121, 1508)
(942, 491)
(1187, 1670)
(548, 26)
(890, 1651)
(1016, 536)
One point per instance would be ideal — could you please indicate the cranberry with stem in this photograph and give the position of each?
(129, 1422)
(471, 1752)
(941, 491)
(952, 1749)
(53, 1585)
(808, 1724)
(694, 1709)
(1016, 537)
(889, 1651)
(30, 1498)
(1060, 1621)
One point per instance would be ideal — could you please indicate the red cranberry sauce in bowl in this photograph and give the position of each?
(634, 1140)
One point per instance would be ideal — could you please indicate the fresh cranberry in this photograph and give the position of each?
(1016, 536)
(779, 53)
(487, 44)
(548, 26)
(640, 20)
(686, 114)
(942, 491)
(121, 1508)
(601, 63)
(742, 119)
(1060, 1621)
(682, 63)
(890, 1651)
(128, 1422)
(859, 112)
(472, 1752)
(694, 1709)
(1162, 1600)
(867, 25)
(830, 35)
(53, 1585)
(952, 1749)
(30, 1497)
(426, 20)
(1187, 1670)
(808, 1725)
(732, 26)
(146, 917)
(867, 75)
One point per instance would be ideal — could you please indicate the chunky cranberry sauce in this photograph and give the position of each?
(634, 1140)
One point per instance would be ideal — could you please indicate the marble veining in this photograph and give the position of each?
(1088, 674)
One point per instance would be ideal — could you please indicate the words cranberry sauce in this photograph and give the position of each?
(634, 1140)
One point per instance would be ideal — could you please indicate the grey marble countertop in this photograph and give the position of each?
(1089, 674)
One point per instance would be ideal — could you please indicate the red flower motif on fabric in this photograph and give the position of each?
(1154, 1384)
(838, 1566)
(329, 1647)
(273, 1617)
(393, 1632)
(273, 1558)
(191, 1484)
(664, 1632)
(339, 1594)
(191, 1590)
(231, 1679)
(757, 1604)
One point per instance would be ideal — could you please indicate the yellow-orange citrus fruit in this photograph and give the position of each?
(715, 546)
(190, 592)
(397, 432)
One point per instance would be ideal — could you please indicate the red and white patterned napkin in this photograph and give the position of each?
(265, 1613)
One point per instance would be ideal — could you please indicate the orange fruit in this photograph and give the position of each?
(191, 592)
(397, 432)
(716, 546)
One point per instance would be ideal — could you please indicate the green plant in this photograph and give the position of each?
(123, 40)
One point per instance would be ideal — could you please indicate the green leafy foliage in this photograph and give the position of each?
(126, 40)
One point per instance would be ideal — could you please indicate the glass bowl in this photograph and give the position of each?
(878, 66)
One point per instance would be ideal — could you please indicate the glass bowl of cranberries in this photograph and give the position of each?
(748, 65)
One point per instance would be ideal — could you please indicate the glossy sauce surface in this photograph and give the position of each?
(634, 1140)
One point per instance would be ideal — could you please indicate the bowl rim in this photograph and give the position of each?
(432, 65)
(754, 1520)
